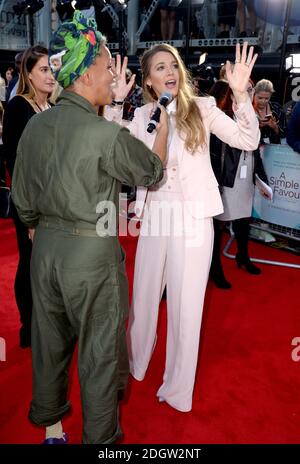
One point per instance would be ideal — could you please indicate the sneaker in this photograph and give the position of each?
(57, 441)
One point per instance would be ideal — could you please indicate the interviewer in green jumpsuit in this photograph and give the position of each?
(69, 168)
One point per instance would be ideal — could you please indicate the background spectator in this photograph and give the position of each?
(226, 17)
(35, 86)
(241, 12)
(235, 171)
(2, 90)
(2, 165)
(9, 74)
(271, 117)
(13, 85)
(167, 20)
(288, 109)
(133, 100)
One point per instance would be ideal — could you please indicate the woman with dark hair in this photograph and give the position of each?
(235, 171)
(9, 74)
(36, 84)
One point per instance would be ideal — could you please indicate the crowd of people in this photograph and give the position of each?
(68, 159)
(208, 19)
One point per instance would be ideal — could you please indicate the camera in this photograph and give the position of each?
(204, 76)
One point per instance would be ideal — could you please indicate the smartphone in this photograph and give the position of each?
(267, 117)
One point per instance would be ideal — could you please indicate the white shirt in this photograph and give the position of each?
(170, 181)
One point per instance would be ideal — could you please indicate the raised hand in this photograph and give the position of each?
(121, 89)
(238, 76)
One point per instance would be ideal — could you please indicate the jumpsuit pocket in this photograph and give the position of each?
(122, 285)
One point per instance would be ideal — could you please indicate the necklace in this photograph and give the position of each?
(41, 109)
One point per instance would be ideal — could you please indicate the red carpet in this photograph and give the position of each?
(247, 388)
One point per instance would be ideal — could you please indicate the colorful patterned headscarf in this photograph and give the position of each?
(73, 48)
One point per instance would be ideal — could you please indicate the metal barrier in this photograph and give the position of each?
(282, 166)
(264, 261)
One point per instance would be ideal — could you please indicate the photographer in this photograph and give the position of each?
(204, 78)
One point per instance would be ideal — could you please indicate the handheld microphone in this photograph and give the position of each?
(164, 99)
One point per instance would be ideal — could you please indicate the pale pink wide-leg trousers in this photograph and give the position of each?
(182, 263)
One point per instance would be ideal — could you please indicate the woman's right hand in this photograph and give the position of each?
(161, 140)
(163, 124)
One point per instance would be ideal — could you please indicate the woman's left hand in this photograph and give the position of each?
(238, 77)
(264, 194)
(121, 88)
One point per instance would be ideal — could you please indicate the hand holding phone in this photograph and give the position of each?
(267, 117)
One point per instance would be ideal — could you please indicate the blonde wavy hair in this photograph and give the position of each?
(188, 117)
(29, 59)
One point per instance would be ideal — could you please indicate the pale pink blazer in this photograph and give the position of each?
(198, 182)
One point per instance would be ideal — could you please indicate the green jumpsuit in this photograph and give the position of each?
(70, 160)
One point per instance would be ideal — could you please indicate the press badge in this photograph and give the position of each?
(243, 173)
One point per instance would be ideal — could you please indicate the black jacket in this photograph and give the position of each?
(226, 175)
(267, 132)
(293, 132)
(16, 116)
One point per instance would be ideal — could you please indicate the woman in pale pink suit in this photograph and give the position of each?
(176, 238)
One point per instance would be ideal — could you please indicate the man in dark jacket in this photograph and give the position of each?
(13, 85)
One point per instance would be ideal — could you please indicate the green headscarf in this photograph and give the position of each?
(73, 48)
